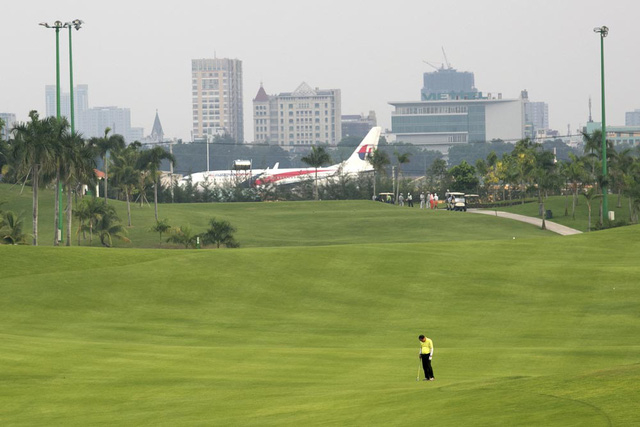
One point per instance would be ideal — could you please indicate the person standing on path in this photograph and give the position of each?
(426, 353)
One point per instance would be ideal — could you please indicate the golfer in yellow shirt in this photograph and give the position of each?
(426, 353)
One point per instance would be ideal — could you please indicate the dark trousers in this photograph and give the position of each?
(426, 365)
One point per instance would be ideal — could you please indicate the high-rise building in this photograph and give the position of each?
(448, 81)
(117, 119)
(80, 104)
(91, 122)
(217, 98)
(305, 116)
(9, 119)
(537, 114)
(632, 118)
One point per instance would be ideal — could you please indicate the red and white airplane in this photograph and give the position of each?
(355, 164)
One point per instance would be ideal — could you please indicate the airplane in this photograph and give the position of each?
(355, 164)
(225, 177)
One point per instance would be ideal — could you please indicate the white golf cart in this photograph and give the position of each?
(455, 201)
(460, 201)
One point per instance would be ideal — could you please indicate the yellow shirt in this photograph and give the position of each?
(426, 347)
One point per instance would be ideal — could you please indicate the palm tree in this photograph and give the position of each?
(317, 158)
(632, 189)
(545, 177)
(590, 194)
(89, 212)
(402, 159)
(220, 233)
(184, 235)
(11, 226)
(161, 227)
(78, 169)
(378, 160)
(126, 174)
(108, 227)
(620, 165)
(103, 146)
(150, 160)
(32, 154)
(59, 132)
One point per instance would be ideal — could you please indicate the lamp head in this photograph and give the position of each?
(44, 24)
(77, 23)
(58, 24)
(604, 31)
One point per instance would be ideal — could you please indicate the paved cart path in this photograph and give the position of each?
(551, 226)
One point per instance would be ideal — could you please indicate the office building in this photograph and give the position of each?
(617, 134)
(217, 98)
(448, 80)
(452, 111)
(303, 117)
(358, 125)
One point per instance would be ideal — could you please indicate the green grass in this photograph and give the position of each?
(300, 327)
(557, 206)
(290, 223)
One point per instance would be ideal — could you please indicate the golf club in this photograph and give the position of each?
(418, 376)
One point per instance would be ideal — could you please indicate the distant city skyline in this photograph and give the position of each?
(546, 47)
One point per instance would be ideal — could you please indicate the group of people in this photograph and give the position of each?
(409, 200)
(429, 200)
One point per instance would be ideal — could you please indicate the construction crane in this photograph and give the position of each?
(443, 66)
(446, 61)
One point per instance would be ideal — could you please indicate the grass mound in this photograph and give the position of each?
(290, 223)
(527, 332)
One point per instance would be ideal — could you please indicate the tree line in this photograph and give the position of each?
(43, 151)
(530, 170)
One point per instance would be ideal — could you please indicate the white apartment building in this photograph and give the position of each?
(305, 116)
(217, 98)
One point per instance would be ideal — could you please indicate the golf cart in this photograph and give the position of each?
(455, 201)
(471, 200)
(460, 201)
(385, 197)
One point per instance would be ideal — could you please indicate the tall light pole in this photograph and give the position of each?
(77, 24)
(57, 25)
(603, 31)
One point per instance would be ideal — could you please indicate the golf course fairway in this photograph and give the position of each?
(531, 331)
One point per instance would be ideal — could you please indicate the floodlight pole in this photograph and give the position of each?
(57, 25)
(77, 24)
(603, 31)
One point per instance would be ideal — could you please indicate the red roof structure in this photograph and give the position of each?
(261, 96)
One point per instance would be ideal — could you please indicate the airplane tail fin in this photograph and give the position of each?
(358, 160)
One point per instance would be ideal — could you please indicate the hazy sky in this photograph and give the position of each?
(137, 54)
